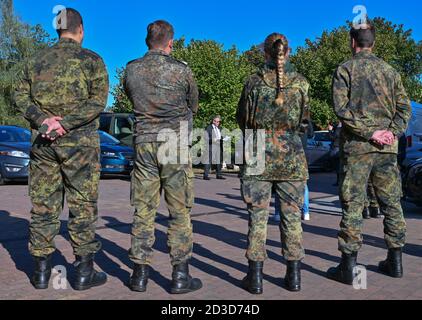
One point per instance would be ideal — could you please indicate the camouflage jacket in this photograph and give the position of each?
(67, 81)
(163, 93)
(284, 155)
(368, 95)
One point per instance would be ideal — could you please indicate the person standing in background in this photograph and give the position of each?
(214, 149)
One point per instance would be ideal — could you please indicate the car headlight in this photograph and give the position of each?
(110, 154)
(14, 153)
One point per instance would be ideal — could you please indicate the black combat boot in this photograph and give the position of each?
(344, 271)
(393, 265)
(139, 279)
(374, 212)
(86, 276)
(182, 282)
(42, 272)
(365, 214)
(253, 280)
(292, 279)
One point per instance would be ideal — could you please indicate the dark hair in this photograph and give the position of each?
(276, 46)
(160, 32)
(215, 117)
(73, 20)
(364, 36)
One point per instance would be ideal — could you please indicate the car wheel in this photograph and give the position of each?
(1, 180)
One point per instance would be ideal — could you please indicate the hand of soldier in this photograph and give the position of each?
(53, 125)
(389, 138)
(383, 137)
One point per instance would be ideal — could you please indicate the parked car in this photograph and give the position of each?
(15, 146)
(116, 158)
(414, 136)
(412, 182)
(119, 125)
(318, 151)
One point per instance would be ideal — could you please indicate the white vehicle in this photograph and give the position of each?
(414, 135)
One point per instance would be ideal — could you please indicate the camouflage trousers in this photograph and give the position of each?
(257, 196)
(355, 172)
(149, 178)
(371, 198)
(56, 172)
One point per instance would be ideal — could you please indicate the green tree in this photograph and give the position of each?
(121, 102)
(19, 42)
(318, 59)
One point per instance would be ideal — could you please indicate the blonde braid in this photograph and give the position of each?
(280, 64)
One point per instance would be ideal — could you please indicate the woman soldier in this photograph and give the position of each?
(275, 101)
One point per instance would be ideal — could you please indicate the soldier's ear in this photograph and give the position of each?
(352, 43)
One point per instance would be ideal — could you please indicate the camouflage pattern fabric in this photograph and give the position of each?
(284, 155)
(67, 81)
(149, 178)
(378, 102)
(54, 173)
(386, 180)
(368, 95)
(285, 163)
(371, 197)
(163, 93)
(71, 82)
(257, 196)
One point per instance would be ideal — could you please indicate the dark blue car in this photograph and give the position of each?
(116, 158)
(15, 145)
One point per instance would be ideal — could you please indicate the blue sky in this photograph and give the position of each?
(117, 29)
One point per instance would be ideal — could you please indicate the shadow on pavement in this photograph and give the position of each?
(14, 238)
(115, 270)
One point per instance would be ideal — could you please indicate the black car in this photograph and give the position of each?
(319, 152)
(412, 182)
(15, 146)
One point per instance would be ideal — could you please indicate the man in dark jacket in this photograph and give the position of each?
(214, 143)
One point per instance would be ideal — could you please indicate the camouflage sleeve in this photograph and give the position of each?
(403, 109)
(306, 116)
(192, 92)
(98, 92)
(26, 104)
(242, 114)
(340, 90)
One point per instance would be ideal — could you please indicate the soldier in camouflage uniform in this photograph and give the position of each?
(64, 89)
(275, 100)
(371, 102)
(164, 95)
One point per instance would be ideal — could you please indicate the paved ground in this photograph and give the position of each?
(220, 225)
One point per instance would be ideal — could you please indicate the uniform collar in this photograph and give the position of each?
(157, 52)
(364, 53)
(68, 42)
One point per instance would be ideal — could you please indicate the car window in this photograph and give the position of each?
(122, 128)
(105, 121)
(322, 136)
(14, 135)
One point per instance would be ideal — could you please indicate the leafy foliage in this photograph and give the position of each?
(19, 42)
(318, 59)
